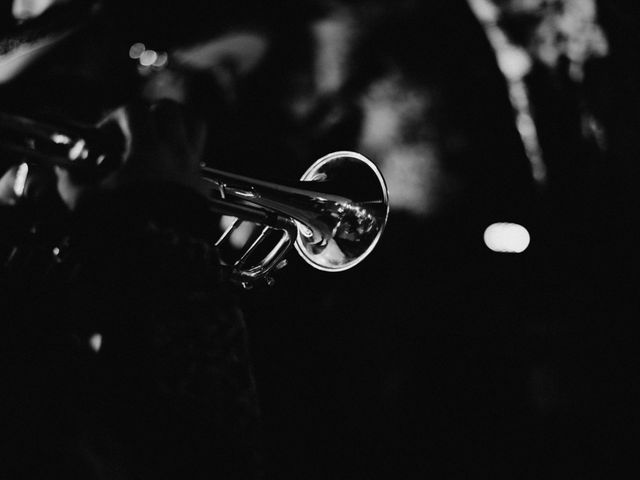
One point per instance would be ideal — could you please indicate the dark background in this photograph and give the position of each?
(436, 357)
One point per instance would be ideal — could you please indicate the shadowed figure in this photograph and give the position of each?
(124, 349)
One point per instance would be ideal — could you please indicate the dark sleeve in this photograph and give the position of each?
(170, 392)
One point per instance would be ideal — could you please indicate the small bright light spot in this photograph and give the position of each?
(161, 61)
(60, 139)
(95, 342)
(506, 237)
(56, 251)
(26, 9)
(514, 62)
(136, 50)
(21, 179)
(484, 10)
(77, 150)
(525, 125)
(148, 58)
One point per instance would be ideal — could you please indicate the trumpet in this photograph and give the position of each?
(334, 215)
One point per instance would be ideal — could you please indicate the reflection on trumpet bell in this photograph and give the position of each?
(354, 225)
(357, 220)
(334, 216)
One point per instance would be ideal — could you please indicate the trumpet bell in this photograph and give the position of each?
(356, 224)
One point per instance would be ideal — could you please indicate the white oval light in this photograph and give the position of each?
(95, 342)
(148, 57)
(506, 237)
(136, 50)
(21, 179)
(161, 60)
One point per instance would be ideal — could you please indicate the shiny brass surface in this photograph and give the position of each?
(334, 215)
